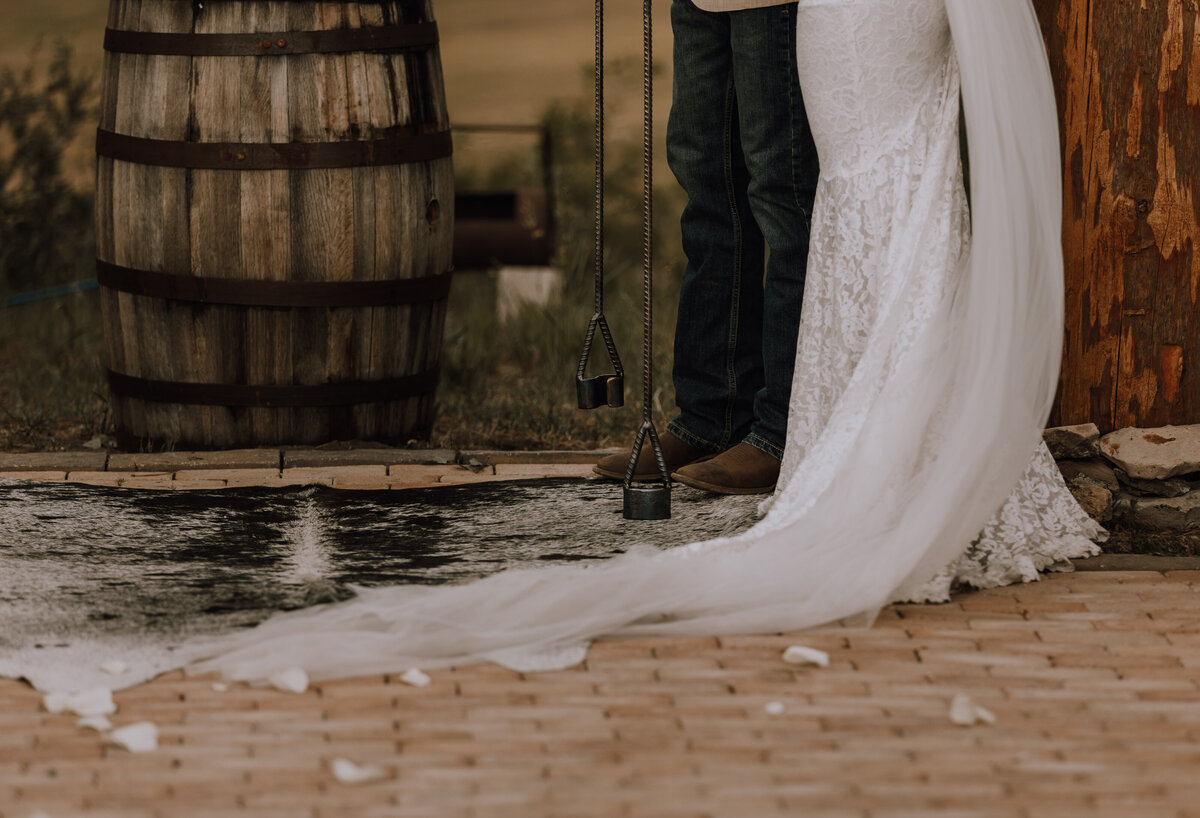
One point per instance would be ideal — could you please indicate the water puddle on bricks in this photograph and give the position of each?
(82, 561)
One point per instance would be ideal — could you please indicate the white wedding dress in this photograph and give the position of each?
(927, 361)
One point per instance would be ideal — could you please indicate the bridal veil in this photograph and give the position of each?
(934, 431)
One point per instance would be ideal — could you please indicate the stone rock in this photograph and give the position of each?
(1097, 501)
(1122, 506)
(1166, 513)
(1154, 454)
(1155, 488)
(1073, 442)
(1094, 472)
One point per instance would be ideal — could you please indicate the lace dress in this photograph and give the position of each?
(927, 363)
(881, 87)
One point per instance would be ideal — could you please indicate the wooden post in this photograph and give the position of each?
(1128, 81)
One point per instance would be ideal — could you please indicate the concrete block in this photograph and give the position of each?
(52, 461)
(35, 476)
(184, 461)
(330, 476)
(492, 457)
(384, 456)
(531, 471)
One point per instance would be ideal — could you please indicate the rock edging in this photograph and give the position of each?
(1146, 479)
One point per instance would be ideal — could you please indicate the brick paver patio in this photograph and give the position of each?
(1092, 677)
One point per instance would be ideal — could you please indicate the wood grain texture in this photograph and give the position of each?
(339, 224)
(1127, 73)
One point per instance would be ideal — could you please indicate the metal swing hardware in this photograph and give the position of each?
(602, 390)
(647, 501)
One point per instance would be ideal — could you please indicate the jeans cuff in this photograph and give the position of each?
(764, 445)
(692, 440)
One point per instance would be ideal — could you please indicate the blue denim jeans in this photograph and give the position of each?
(738, 142)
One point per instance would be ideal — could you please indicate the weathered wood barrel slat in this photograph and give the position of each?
(275, 220)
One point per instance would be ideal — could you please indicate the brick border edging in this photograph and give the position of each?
(283, 458)
(1137, 562)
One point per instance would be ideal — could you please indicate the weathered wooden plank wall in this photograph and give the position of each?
(1127, 74)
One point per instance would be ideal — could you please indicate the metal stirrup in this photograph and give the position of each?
(647, 501)
(602, 390)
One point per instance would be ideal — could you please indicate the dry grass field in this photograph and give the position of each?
(504, 62)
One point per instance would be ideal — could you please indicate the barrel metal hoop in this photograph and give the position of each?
(348, 393)
(398, 149)
(407, 37)
(283, 294)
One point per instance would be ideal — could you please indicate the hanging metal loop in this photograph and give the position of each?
(647, 501)
(602, 390)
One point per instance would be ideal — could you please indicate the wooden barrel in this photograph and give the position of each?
(1128, 81)
(274, 220)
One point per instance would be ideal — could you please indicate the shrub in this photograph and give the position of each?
(46, 230)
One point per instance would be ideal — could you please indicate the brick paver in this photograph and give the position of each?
(1093, 678)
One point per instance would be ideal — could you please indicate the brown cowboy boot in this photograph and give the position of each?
(676, 453)
(744, 469)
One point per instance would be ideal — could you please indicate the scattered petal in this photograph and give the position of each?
(347, 772)
(220, 687)
(774, 708)
(416, 678)
(98, 702)
(292, 680)
(800, 655)
(136, 738)
(114, 667)
(99, 723)
(965, 713)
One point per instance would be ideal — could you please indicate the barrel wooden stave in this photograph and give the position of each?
(337, 224)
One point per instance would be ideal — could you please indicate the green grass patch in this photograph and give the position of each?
(508, 383)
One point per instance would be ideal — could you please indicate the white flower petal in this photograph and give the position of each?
(965, 713)
(98, 702)
(115, 667)
(347, 772)
(800, 655)
(416, 678)
(136, 738)
(99, 723)
(292, 680)
(220, 687)
(774, 708)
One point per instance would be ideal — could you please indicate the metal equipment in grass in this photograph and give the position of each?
(648, 500)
